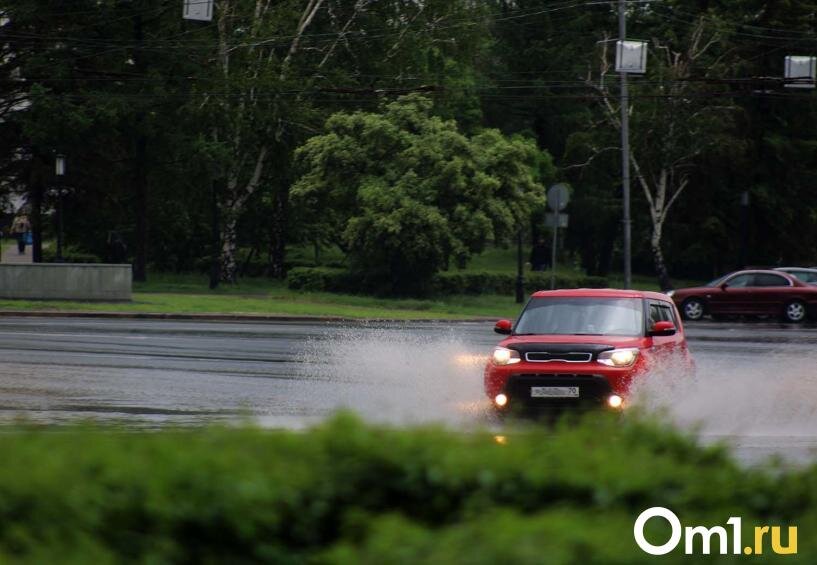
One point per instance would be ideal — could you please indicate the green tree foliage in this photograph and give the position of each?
(153, 110)
(284, 67)
(405, 192)
(99, 82)
(170, 126)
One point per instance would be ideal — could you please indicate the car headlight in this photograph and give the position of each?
(618, 357)
(505, 356)
(670, 293)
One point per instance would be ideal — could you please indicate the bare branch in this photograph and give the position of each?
(306, 19)
(643, 181)
(359, 5)
(393, 50)
(596, 153)
(681, 186)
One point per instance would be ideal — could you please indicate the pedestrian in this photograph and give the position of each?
(20, 229)
(539, 256)
(117, 249)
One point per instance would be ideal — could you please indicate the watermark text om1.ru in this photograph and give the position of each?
(691, 533)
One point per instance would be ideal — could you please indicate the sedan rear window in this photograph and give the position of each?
(582, 316)
(765, 279)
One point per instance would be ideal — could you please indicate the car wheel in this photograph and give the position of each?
(693, 309)
(795, 311)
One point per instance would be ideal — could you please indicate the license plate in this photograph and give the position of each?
(554, 392)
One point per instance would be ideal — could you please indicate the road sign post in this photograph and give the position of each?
(558, 198)
(199, 10)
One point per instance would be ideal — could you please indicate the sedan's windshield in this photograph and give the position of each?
(582, 316)
(717, 282)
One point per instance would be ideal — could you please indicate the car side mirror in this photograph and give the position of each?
(663, 328)
(503, 327)
(724, 286)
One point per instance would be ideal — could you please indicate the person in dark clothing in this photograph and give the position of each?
(20, 229)
(539, 256)
(117, 249)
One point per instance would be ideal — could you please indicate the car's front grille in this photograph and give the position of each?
(568, 357)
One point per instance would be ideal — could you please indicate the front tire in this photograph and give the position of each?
(693, 309)
(794, 312)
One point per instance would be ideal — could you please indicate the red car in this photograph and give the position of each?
(582, 347)
(754, 292)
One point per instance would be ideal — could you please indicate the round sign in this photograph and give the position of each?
(558, 197)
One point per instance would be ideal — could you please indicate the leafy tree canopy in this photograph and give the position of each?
(404, 191)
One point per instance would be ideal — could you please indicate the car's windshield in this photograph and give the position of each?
(717, 282)
(582, 316)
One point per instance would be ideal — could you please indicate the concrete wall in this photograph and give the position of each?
(66, 281)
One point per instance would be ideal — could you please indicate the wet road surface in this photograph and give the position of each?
(756, 389)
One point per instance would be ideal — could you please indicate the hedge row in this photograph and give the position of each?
(459, 282)
(451, 282)
(69, 255)
(347, 492)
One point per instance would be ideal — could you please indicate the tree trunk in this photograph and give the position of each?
(278, 229)
(140, 190)
(140, 168)
(658, 258)
(36, 190)
(229, 243)
(215, 234)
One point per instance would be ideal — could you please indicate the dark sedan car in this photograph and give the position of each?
(753, 292)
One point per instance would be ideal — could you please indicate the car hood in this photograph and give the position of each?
(694, 290)
(614, 341)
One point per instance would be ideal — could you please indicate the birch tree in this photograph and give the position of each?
(672, 119)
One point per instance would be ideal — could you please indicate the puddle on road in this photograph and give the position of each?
(399, 376)
(760, 405)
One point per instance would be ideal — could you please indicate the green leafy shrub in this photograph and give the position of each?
(452, 282)
(347, 492)
(321, 279)
(470, 282)
(69, 255)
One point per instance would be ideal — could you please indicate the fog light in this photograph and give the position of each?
(615, 401)
(500, 400)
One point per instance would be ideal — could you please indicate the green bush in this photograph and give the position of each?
(470, 282)
(321, 279)
(451, 282)
(347, 492)
(405, 191)
(69, 255)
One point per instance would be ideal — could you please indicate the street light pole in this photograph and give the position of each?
(520, 280)
(60, 172)
(625, 154)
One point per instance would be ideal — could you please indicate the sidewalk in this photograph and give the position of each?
(10, 254)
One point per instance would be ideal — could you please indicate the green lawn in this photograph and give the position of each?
(188, 294)
(166, 293)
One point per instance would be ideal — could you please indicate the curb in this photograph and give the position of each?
(213, 317)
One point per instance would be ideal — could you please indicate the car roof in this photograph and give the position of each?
(794, 280)
(600, 293)
(796, 269)
(752, 271)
